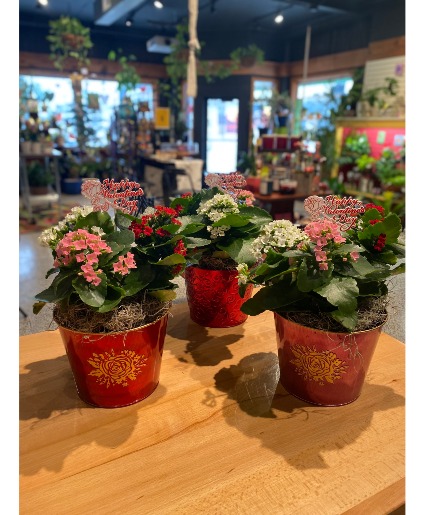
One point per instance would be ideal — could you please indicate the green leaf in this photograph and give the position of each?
(163, 295)
(400, 269)
(113, 297)
(362, 266)
(347, 248)
(256, 215)
(124, 238)
(37, 307)
(233, 220)
(196, 242)
(123, 220)
(273, 297)
(341, 292)
(138, 279)
(93, 296)
(174, 259)
(98, 219)
(310, 278)
(347, 319)
(240, 251)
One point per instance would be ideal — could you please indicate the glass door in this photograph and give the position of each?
(222, 135)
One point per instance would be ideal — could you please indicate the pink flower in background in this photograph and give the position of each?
(354, 256)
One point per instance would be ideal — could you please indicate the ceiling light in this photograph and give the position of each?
(279, 18)
(42, 3)
(128, 22)
(158, 4)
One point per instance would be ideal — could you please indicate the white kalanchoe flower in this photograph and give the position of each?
(218, 207)
(243, 273)
(97, 230)
(217, 232)
(281, 234)
(149, 211)
(47, 237)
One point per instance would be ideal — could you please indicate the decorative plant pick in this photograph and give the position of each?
(228, 183)
(342, 211)
(117, 195)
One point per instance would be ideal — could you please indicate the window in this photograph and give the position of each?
(55, 100)
(314, 102)
(261, 110)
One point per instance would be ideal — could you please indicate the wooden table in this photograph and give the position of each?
(219, 435)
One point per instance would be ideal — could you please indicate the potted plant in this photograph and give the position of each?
(247, 56)
(69, 39)
(39, 178)
(112, 292)
(70, 42)
(127, 77)
(327, 288)
(220, 224)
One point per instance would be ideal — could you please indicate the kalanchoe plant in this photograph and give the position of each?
(220, 227)
(325, 272)
(100, 263)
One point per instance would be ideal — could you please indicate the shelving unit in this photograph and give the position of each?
(29, 201)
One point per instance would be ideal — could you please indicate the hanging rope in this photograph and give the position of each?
(192, 86)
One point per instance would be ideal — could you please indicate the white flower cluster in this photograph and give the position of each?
(217, 232)
(149, 211)
(243, 273)
(279, 233)
(218, 207)
(51, 236)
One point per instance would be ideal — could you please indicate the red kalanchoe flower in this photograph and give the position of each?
(380, 242)
(186, 195)
(374, 206)
(180, 248)
(373, 222)
(136, 228)
(162, 232)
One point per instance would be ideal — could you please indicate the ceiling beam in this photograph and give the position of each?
(108, 12)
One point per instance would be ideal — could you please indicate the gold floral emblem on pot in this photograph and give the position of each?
(317, 366)
(111, 368)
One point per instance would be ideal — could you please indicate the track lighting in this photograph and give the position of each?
(129, 22)
(279, 18)
(158, 4)
(42, 3)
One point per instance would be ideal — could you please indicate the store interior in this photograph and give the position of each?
(302, 98)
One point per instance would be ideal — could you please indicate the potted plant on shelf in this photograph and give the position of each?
(112, 292)
(327, 288)
(220, 225)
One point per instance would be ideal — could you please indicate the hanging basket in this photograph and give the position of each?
(321, 367)
(112, 370)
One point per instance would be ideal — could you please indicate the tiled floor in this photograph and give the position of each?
(34, 261)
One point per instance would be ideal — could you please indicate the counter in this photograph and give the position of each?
(218, 435)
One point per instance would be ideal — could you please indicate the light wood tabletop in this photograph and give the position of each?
(219, 435)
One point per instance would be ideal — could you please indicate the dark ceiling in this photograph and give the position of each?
(226, 24)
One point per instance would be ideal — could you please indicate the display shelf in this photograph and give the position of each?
(372, 126)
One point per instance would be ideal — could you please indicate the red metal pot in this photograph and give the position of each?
(213, 297)
(112, 370)
(320, 367)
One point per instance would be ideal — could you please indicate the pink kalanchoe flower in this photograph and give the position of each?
(124, 263)
(92, 258)
(320, 255)
(323, 266)
(354, 256)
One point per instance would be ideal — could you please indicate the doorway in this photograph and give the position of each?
(222, 135)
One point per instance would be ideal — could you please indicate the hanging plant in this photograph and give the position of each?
(127, 77)
(68, 38)
(247, 56)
